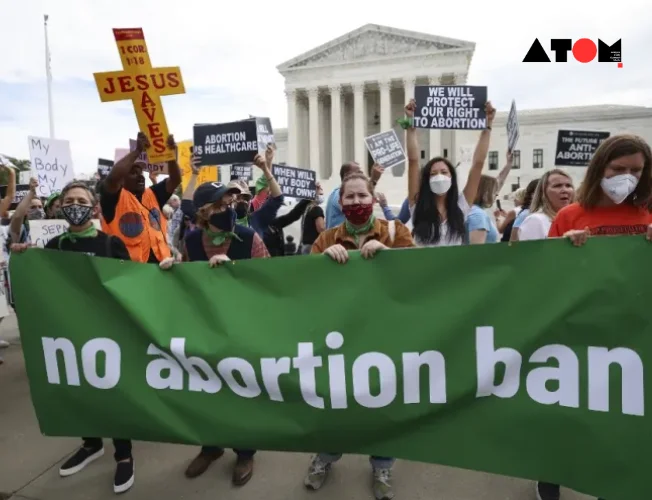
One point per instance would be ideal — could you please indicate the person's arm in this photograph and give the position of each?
(511, 215)
(118, 249)
(476, 226)
(404, 214)
(265, 164)
(292, 216)
(258, 248)
(5, 203)
(502, 176)
(333, 209)
(382, 201)
(113, 182)
(16, 222)
(320, 244)
(479, 157)
(320, 224)
(412, 146)
(403, 237)
(265, 215)
(174, 172)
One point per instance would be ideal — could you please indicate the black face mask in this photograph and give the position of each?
(224, 221)
(241, 209)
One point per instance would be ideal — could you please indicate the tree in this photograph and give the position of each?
(22, 165)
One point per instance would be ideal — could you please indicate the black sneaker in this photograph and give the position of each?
(79, 460)
(547, 491)
(124, 476)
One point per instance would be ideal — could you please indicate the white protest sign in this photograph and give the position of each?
(51, 164)
(23, 176)
(512, 128)
(42, 231)
(120, 153)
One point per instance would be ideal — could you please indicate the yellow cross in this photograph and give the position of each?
(144, 85)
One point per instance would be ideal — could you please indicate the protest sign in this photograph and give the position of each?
(42, 231)
(455, 107)
(575, 148)
(549, 389)
(104, 167)
(512, 128)
(243, 171)
(51, 164)
(385, 148)
(226, 143)
(296, 182)
(155, 168)
(206, 174)
(21, 192)
(144, 86)
(265, 133)
(120, 153)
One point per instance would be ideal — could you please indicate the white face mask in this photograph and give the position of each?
(619, 187)
(320, 199)
(440, 184)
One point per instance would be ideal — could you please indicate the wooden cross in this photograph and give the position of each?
(144, 85)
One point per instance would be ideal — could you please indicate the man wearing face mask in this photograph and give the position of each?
(133, 213)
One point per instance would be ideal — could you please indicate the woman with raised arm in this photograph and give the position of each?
(554, 192)
(438, 209)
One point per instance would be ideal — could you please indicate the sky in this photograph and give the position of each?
(228, 53)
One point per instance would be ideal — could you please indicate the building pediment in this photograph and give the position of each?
(373, 42)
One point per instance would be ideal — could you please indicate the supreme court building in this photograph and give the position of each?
(358, 84)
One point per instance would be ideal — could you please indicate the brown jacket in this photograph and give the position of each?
(380, 232)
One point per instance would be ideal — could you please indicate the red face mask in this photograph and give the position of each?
(358, 213)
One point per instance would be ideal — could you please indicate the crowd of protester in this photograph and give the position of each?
(218, 222)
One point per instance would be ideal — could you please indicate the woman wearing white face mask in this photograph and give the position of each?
(614, 195)
(438, 209)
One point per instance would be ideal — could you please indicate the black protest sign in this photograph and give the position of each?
(242, 171)
(226, 143)
(385, 149)
(104, 167)
(296, 182)
(265, 133)
(512, 128)
(21, 192)
(575, 148)
(451, 107)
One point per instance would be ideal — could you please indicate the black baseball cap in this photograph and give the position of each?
(210, 192)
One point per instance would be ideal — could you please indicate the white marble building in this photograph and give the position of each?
(358, 84)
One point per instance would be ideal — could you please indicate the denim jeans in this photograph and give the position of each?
(240, 453)
(376, 462)
(122, 447)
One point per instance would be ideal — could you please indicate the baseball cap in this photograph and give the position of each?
(210, 192)
(239, 187)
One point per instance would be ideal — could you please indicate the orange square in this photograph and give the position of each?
(620, 65)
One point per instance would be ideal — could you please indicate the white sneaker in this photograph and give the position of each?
(4, 344)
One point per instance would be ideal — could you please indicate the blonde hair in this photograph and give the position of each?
(540, 200)
(168, 211)
(519, 196)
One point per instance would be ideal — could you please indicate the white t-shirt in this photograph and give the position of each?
(444, 240)
(535, 227)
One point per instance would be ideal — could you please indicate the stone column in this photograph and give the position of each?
(313, 110)
(359, 125)
(385, 105)
(408, 87)
(434, 136)
(336, 127)
(293, 155)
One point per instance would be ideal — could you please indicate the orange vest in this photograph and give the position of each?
(141, 226)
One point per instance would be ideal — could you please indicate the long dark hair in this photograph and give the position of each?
(426, 220)
(529, 194)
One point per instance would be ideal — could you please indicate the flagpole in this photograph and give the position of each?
(48, 72)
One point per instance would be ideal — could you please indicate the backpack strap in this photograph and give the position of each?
(391, 226)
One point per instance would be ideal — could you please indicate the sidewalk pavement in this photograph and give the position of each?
(29, 464)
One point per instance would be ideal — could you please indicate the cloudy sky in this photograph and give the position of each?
(228, 53)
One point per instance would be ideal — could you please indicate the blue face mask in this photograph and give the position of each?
(224, 221)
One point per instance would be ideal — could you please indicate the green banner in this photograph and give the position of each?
(524, 360)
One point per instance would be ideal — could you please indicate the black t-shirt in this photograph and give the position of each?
(102, 245)
(310, 233)
(109, 201)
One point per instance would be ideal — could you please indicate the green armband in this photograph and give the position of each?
(405, 123)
